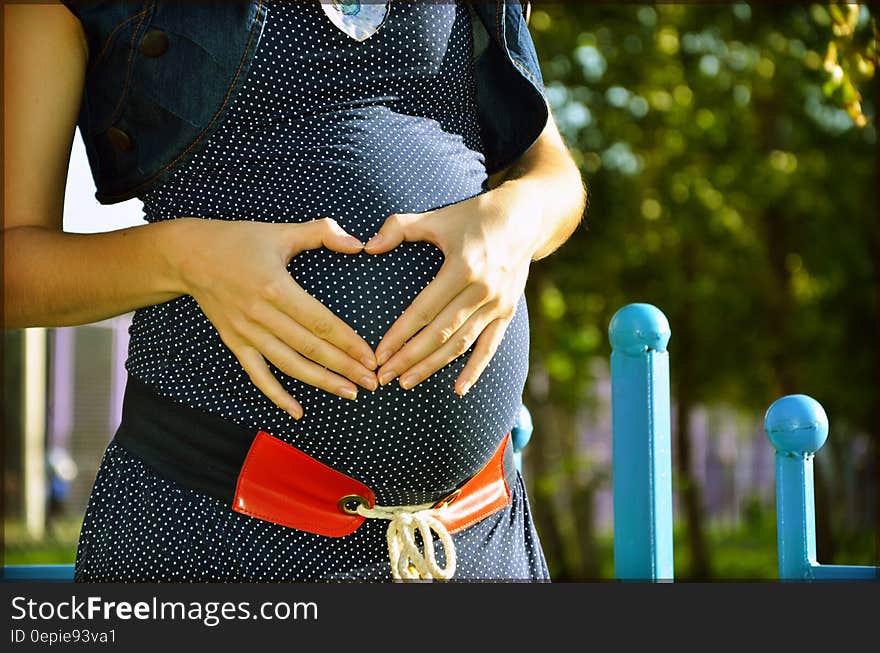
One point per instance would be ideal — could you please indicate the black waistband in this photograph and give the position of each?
(192, 447)
(197, 449)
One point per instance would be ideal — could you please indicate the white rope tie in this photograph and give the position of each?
(407, 561)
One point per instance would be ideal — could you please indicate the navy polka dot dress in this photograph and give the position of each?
(325, 126)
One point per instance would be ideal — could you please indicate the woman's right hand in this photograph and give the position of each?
(236, 271)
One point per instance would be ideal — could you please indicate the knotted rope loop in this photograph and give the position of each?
(407, 560)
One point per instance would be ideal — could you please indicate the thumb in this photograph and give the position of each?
(397, 228)
(325, 232)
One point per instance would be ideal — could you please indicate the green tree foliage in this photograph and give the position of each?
(732, 172)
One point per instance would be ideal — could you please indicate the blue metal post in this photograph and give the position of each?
(641, 450)
(797, 426)
(520, 434)
(38, 573)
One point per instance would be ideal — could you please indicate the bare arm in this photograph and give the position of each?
(551, 184)
(52, 278)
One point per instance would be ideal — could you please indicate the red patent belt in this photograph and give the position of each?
(281, 484)
(266, 478)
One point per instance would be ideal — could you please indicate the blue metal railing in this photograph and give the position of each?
(38, 572)
(641, 444)
(798, 427)
(521, 433)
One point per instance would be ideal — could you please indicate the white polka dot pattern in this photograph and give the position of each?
(325, 126)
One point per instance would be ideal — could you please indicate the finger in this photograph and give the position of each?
(255, 366)
(323, 232)
(437, 333)
(298, 367)
(484, 350)
(397, 228)
(421, 312)
(291, 299)
(457, 345)
(310, 346)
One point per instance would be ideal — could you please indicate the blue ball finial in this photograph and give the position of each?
(637, 327)
(521, 432)
(796, 424)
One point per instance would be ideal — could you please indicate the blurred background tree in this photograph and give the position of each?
(729, 151)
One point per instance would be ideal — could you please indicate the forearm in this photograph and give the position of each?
(548, 182)
(52, 278)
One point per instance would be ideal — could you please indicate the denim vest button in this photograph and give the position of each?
(119, 139)
(154, 43)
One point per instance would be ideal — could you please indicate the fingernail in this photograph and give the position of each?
(464, 388)
(354, 241)
(375, 241)
(296, 412)
(368, 362)
(369, 381)
(406, 382)
(386, 376)
(347, 392)
(383, 357)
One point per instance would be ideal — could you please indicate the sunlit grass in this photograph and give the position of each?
(58, 547)
(744, 553)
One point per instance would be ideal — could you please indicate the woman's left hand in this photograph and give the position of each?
(488, 242)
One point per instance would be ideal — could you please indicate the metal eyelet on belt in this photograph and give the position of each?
(448, 499)
(349, 503)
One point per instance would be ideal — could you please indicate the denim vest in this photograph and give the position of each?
(162, 74)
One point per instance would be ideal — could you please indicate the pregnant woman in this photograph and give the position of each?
(299, 405)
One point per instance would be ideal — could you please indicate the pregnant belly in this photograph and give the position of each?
(409, 445)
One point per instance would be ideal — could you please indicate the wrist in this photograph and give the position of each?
(522, 203)
(554, 198)
(174, 240)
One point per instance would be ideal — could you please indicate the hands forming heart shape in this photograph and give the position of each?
(488, 242)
